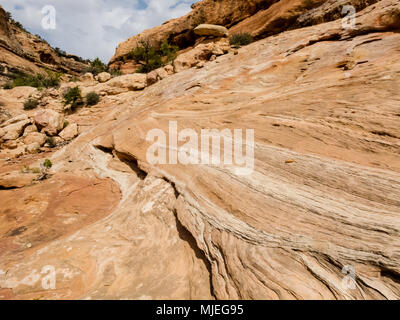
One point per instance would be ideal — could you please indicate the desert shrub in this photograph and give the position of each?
(147, 56)
(150, 58)
(241, 39)
(31, 104)
(73, 98)
(92, 98)
(51, 142)
(60, 52)
(7, 86)
(47, 164)
(96, 67)
(168, 51)
(115, 72)
(39, 81)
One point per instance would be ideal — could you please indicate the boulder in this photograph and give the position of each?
(202, 52)
(16, 153)
(16, 119)
(4, 114)
(35, 137)
(58, 140)
(10, 144)
(87, 77)
(13, 128)
(211, 30)
(152, 77)
(131, 82)
(49, 121)
(29, 129)
(33, 147)
(69, 132)
(16, 180)
(103, 77)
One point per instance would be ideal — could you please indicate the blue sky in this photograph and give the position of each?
(94, 28)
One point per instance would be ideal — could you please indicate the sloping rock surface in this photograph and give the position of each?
(323, 198)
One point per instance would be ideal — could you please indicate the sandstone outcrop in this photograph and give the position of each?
(49, 121)
(13, 128)
(103, 77)
(211, 30)
(22, 52)
(201, 53)
(321, 203)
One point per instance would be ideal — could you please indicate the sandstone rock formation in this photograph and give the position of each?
(49, 121)
(22, 52)
(70, 132)
(323, 198)
(181, 31)
(211, 30)
(260, 18)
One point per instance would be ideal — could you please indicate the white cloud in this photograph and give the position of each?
(92, 28)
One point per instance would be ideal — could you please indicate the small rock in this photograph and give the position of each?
(70, 132)
(134, 82)
(200, 65)
(13, 128)
(87, 77)
(11, 145)
(49, 121)
(35, 137)
(33, 147)
(211, 30)
(16, 179)
(169, 69)
(103, 77)
(30, 129)
(152, 78)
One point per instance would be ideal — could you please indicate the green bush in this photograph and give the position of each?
(73, 98)
(52, 79)
(241, 39)
(96, 67)
(150, 58)
(115, 72)
(92, 98)
(169, 51)
(47, 164)
(7, 86)
(51, 142)
(31, 104)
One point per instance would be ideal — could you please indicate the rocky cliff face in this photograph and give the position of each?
(260, 18)
(318, 218)
(21, 52)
